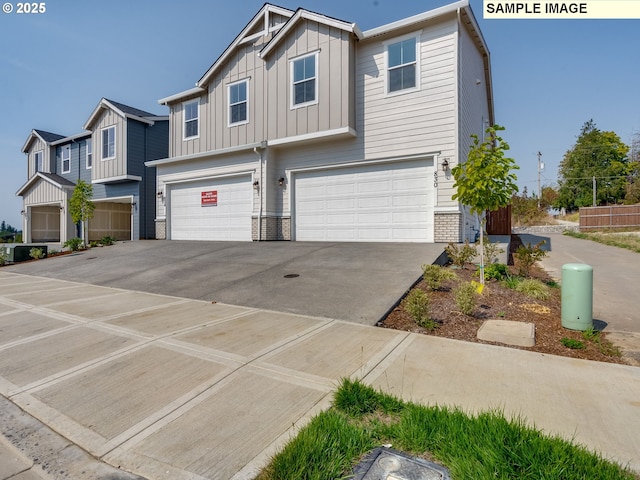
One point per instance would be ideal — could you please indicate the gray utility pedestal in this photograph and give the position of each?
(577, 296)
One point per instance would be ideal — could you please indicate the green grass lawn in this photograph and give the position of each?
(485, 446)
(620, 240)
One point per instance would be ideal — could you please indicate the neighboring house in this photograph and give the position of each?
(306, 128)
(111, 155)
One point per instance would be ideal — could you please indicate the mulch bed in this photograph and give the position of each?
(501, 303)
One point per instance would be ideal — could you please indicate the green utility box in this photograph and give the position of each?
(18, 252)
(577, 296)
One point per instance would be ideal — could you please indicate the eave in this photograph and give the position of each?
(105, 104)
(302, 14)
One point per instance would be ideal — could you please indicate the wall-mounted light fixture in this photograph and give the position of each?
(160, 194)
(256, 184)
(445, 164)
(21, 212)
(281, 181)
(61, 207)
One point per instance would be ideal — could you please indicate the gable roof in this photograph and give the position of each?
(56, 180)
(262, 15)
(46, 137)
(302, 14)
(243, 36)
(123, 110)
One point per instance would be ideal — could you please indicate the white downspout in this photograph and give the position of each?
(261, 186)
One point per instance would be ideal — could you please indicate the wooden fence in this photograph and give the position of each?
(499, 221)
(612, 217)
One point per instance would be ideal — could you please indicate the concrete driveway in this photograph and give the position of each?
(357, 282)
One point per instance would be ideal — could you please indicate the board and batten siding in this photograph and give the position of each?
(104, 169)
(269, 93)
(36, 146)
(44, 193)
(336, 63)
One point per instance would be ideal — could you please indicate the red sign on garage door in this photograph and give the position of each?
(209, 199)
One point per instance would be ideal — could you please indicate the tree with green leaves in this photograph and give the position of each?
(485, 182)
(81, 207)
(597, 157)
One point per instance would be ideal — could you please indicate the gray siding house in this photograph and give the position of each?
(110, 154)
(307, 128)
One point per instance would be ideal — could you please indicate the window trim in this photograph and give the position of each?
(246, 120)
(196, 119)
(387, 44)
(89, 151)
(35, 161)
(102, 130)
(292, 84)
(62, 159)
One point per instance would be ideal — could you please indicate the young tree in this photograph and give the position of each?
(485, 182)
(81, 207)
(599, 156)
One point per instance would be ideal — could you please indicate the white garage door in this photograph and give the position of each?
(376, 203)
(212, 209)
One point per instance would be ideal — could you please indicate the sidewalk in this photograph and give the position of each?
(172, 388)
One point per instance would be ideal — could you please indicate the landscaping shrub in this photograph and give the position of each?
(491, 252)
(533, 288)
(74, 244)
(460, 255)
(511, 281)
(496, 271)
(417, 305)
(466, 296)
(435, 275)
(526, 256)
(107, 240)
(36, 253)
(3, 259)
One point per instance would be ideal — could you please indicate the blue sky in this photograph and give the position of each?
(549, 76)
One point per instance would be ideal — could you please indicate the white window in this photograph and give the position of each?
(402, 65)
(238, 103)
(108, 143)
(89, 153)
(191, 115)
(37, 157)
(65, 154)
(304, 84)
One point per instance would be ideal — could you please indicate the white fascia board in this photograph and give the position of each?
(71, 138)
(259, 17)
(182, 95)
(342, 132)
(40, 176)
(421, 17)
(315, 17)
(210, 153)
(120, 178)
(30, 139)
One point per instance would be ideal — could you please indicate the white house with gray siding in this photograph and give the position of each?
(307, 128)
(110, 154)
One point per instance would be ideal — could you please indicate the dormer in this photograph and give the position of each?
(40, 153)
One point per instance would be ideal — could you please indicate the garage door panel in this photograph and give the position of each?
(228, 220)
(391, 202)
